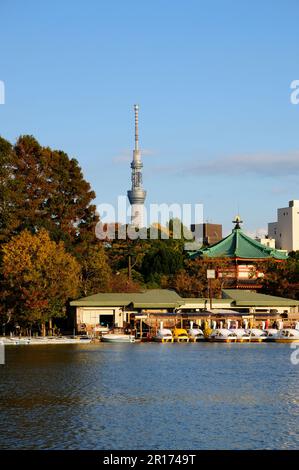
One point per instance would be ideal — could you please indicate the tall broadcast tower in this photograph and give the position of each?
(137, 194)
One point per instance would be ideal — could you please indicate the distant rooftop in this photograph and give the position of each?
(294, 203)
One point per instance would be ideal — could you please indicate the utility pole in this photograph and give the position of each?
(130, 268)
(210, 275)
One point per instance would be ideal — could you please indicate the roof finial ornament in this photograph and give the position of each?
(237, 221)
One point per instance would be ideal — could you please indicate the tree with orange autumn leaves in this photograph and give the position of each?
(281, 278)
(191, 281)
(39, 276)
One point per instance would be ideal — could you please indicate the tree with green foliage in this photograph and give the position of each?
(126, 256)
(163, 258)
(95, 271)
(49, 191)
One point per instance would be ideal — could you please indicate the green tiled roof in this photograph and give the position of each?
(163, 298)
(244, 298)
(239, 245)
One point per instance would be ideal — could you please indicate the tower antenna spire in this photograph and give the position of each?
(136, 109)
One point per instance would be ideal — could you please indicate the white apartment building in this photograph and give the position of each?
(286, 229)
(269, 242)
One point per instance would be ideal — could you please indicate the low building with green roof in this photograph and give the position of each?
(99, 312)
(104, 310)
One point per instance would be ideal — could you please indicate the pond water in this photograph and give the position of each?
(149, 396)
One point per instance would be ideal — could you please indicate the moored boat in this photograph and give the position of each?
(256, 335)
(23, 341)
(15, 341)
(241, 334)
(118, 338)
(271, 334)
(39, 340)
(180, 335)
(287, 335)
(223, 335)
(163, 335)
(195, 334)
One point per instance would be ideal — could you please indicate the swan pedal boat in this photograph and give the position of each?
(242, 335)
(271, 334)
(180, 335)
(195, 334)
(256, 335)
(163, 335)
(222, 335)
(287, 335)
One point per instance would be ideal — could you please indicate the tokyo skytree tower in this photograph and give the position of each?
(137, 194)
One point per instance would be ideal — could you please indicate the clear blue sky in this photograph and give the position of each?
(212, 79)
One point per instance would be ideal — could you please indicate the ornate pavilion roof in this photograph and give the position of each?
(237, 245)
